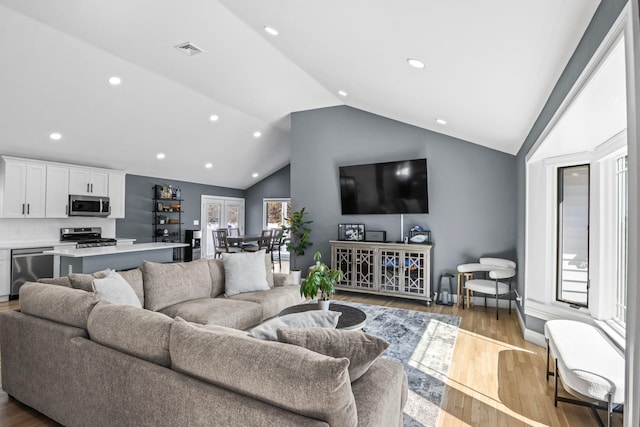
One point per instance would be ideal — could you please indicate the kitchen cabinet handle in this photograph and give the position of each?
(66, 209)
(23, 209)
(88, 190)
(92, 188)
(28, 208)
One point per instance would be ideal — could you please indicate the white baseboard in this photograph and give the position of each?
(530, 335)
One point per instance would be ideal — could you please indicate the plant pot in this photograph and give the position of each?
(323, 305)
(295, 276)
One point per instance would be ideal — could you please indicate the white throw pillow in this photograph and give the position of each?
(114, 289)
(307, 319)
(244, 272)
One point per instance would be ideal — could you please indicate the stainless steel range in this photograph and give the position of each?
(86, 237)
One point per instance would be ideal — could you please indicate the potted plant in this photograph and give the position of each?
(298, 234)
(321, 279)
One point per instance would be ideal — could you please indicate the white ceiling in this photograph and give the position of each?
(490, 66)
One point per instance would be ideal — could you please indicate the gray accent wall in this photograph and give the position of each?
(472, 191)
(601, 23)
(138, 221)
(276, 185)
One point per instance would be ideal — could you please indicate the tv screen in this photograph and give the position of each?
(384, 188)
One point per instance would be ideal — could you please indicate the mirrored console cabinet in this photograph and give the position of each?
(395, 269)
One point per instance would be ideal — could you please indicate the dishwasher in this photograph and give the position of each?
(29, 265)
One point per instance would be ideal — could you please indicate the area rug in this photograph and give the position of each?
(423, 343)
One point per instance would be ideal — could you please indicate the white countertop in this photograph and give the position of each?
(56, 243)
(23, 245)
(111, 250)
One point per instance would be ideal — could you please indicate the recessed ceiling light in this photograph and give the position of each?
(115, 80)
(208, 165)
(415, 63)
(160, 156)
(271, 30)
(55, 136)
(257, 134)
(214, 117)
(441, 122)
(342, 93)
(255, 175)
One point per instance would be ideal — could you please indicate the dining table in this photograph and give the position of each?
(243, 239)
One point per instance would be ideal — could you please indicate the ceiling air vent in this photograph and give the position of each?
(189, 49)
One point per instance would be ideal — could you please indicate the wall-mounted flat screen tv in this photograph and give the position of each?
(385, 188)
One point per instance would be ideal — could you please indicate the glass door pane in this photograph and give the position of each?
(218, 212)
(275, 214)
(573, 235)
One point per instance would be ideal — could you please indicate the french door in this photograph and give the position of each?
(219, 212)
(274, 215)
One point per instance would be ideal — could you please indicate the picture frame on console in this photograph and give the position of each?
(351, 232)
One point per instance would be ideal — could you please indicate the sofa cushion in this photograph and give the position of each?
(217, 328)
(134, 279)
(57, 303)
(361, 349)
(216, 270)
(381, 394)
(274, 300)
(60, 281)
(217, 311)
(140, 333)
(244, 272)
(307, 319)
(114, 289)
(168, 284)
(287, 376)
(85, 281)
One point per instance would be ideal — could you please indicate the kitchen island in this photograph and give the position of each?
(120, 257)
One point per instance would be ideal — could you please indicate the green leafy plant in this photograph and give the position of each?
(321, 279)
(298, 235)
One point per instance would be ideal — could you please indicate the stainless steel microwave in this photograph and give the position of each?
(88, 206)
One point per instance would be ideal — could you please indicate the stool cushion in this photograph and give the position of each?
(588, 362)
(486, 286)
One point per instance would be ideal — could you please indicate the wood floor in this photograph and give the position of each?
(495, 378)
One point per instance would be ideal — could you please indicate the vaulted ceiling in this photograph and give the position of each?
(489, 67)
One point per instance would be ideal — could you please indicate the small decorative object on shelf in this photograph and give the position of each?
(419, 235)
(352, 232)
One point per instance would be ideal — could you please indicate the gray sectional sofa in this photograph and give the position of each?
(82, 361)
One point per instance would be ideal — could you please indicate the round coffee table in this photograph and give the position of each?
(351, 318)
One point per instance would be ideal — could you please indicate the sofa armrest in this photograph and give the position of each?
(281, 279)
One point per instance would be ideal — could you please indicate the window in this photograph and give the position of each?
(573, 235)
(621, 238)
(275, 212)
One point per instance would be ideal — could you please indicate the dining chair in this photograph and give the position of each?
(277, 240)
(264, 242)
(221, 243)
(500, 271)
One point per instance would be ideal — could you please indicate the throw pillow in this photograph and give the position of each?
(85, 281)
(361, 349)
(307, 319)
(244, 272)
(114, 289)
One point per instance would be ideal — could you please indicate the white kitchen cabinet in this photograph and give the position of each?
(116, 194)
(23, 188)
(91, 182)
(57, 199)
